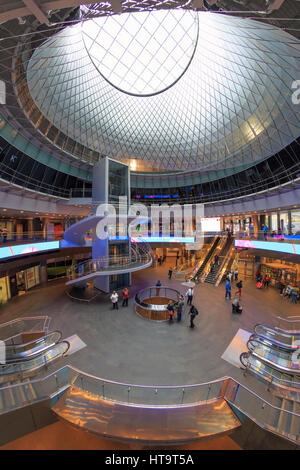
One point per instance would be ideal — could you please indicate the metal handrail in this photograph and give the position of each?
(254, 188)
(285, 382)
(29, 235)
(290, 320)
(218, 249)
(69, 380)
(45, 321)
(137, 255)
(139, 301)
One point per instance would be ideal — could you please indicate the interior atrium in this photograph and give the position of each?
(149, 225)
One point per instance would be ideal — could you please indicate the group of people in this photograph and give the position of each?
(172, 307)
(291, 292)
(115, 298)
(178, 307)
(262, 281)
(236, 307)
(161, 259)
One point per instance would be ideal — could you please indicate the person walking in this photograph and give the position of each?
(180, 305)
(193, 312)
(114, 299)
(170, 309)
(228, 289)
(236, 274)
(125, 296)
(281, 287)
(170, 273)
(190, 294)
(239, 285)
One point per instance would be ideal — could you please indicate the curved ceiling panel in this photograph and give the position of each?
(231, 106)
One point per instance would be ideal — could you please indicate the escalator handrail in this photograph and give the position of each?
(277, 330)
(12, 364)
(273, 343)
(33, 341)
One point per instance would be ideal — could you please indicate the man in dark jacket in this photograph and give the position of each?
(193, 312)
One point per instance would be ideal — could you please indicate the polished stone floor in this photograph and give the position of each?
(124, 347)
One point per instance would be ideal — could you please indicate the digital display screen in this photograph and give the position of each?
(27, 249)
(290, 248)
(211, 224)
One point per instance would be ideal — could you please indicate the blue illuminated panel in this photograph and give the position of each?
(290, 248)
(27, 249)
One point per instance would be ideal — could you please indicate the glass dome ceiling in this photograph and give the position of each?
(227, 102)
(142, 54)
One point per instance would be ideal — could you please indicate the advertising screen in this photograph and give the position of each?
(27, 249)
(211, 224)
(273, 246)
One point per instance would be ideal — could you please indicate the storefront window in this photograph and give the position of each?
(274, 226)
(4, 289)
(284, 222)
(295, 222)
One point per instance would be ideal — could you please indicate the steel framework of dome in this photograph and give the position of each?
(232, 104)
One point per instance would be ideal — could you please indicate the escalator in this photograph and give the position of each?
(26, 351)
(285, 340)
(258, 368)
(196, 274)
(222, 254)
(20, 370)
(283, 361)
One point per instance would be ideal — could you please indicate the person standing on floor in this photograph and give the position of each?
(158, 285)
(170, 309)
(170, 273)
(295, 293)
(114, 299)
(236, 274)
(266, 280)
(190, 294)
(193, 312)
(239, 285)
(281, 287)
(125, 296)
(228, 289)
(180, 305)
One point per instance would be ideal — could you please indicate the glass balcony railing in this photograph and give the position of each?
(270, 417)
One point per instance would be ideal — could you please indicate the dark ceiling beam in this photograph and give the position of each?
(116, 6)
(48, 6)
(36, 10)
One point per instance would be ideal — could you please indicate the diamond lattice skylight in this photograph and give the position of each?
(142, 53)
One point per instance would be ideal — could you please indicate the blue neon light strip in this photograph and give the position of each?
(27, 249)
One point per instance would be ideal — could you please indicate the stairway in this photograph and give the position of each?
(287, 422)
(207, 257)
(12, 397)
(213, 273)
(210, 278)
